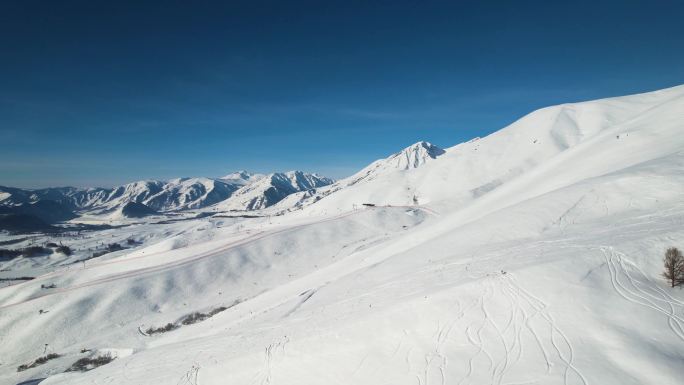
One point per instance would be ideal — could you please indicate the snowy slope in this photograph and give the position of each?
(535, 261)
(604, 130)
(271, 189)
(409, 158)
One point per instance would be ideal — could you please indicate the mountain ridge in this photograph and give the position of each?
(163, 196)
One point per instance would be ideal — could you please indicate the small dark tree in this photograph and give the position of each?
(674, 266)
(86, 364)
(66, 250)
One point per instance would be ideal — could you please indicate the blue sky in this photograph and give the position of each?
(101, 93)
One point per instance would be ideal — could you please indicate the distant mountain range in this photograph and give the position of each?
(237, 191)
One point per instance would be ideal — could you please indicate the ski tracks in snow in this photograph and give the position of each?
(191, 376)
(632, 284)
(562, 347)
(273, 353)
(516, 324)
(507, 335)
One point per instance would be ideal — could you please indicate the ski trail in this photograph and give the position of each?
(527, 319)
(273, 353)
(190, 377)
(358, 368)
(499, 369)
(661, 295)
(517, 324)
(437, 354)
(505, 328)
(646, 294)
(558, 339)
(476, 340)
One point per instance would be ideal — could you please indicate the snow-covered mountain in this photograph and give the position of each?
(242, 177)
(48, 211)
(271, 189)
(189, 193)
(175, 194)
(136, 210)
(601, 131)
(411, 157)
(531, 256)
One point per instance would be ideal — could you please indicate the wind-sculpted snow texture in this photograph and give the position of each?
(531, 256)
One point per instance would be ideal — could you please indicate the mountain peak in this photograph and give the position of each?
(241, 177)
(271, 189)
(415, 155)
(136, 210)
(241, 174)
(433, 150)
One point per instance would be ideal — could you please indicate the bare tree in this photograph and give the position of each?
(674, 266)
